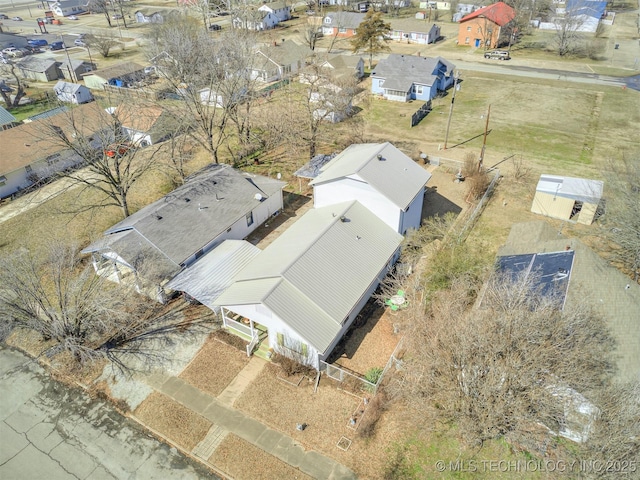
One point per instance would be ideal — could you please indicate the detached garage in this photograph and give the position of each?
(567, 198)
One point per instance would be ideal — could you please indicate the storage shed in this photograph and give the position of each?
(567, 198)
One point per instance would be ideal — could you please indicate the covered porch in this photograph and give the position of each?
(253, 332)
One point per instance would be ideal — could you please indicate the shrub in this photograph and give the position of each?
(291, 366)
(372, 414)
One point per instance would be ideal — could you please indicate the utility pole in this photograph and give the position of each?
(72, 76)
(453, 98)
(484, 140)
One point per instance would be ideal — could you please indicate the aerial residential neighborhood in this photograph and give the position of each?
(334, 239)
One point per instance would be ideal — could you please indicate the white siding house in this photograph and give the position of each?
(167, 236)
(308, 286)
(380, 177)
(281, 10)
(72, 93)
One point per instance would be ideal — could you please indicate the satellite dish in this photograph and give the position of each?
(258, 197)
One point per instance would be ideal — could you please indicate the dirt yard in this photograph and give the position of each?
(215, 366)
(241, 459)
(174, 421)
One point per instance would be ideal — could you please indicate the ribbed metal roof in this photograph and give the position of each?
(213, 273)
(6, 117)
(394, 175)
(316, 271)
(577, 188)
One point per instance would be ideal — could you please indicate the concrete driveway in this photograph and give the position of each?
(48, 430)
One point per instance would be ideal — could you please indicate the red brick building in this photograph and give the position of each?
(483, 27)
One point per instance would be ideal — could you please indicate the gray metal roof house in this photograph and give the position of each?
(381, 177)
(171, 234)
(6, 119)
(308, 286)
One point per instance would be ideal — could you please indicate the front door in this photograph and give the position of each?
(477, 44)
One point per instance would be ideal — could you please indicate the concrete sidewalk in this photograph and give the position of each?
(228, 420)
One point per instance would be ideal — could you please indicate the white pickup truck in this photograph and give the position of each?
(499, 54)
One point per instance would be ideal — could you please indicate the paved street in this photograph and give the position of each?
(48, 430)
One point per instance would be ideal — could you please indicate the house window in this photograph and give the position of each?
(3, 180)
(327, 20)
(468, 28)
(380, 83)
(52, 159)
(417, 89)
(249, 219)
(292, 345)
(342, 30)
(466, 40)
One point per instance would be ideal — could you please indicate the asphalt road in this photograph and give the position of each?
(49, 430)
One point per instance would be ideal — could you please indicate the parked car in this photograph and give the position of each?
(37, 42)
(12, 52)
(3, 16)
(215, 26)
(116, 16)
(56, 46)
(31, 49)
(497, 54)
(78, 42)
(72, 17)
(16, 19)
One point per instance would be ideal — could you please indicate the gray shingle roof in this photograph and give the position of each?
(187, 219)
(286, 53)
(67, 87)
(36, 64)
(396, 176)
(314, 274)
(401, 71)
(344, 19)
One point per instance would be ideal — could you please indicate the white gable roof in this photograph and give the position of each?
(314, 274)
(382, 166)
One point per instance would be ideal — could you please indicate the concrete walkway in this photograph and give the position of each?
(230, 394)
(227, 419)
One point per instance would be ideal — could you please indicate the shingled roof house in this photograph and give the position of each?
(169, 235)
(406, 77)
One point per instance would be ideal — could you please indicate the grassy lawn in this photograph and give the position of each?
(566, 127)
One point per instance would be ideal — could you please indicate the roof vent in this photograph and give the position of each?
(380, 157)
(187, 199)
(258, 197)
(343, 219)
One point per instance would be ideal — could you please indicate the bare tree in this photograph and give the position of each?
(621, 216)
(9, 68)
(79, 312)
(101, 6)
(496, 369)
(568, 27)
(212, 77)
(112, 162)
(104, 42)
(327, 98)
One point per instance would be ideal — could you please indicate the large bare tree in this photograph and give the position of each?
(211, 77)
(568, 34)
(9, 68)
(496, 369)
(83, 314)
(112, 162)
(622, 190)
